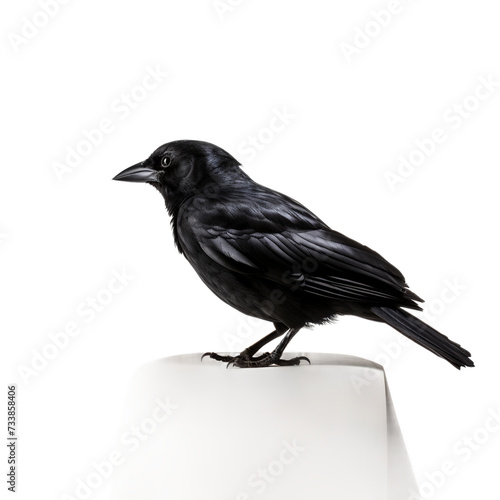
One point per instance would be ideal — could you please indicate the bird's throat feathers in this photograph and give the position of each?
(173, 223)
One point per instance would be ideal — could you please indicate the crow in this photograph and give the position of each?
(268, 256)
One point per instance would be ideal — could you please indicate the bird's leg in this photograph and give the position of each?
(248, 353)
(274, 358)
(246, 359)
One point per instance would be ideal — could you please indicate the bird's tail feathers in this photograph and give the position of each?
(424, 335)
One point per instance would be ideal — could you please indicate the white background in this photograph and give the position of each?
(229, 72)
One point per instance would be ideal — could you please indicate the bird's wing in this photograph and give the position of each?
(272, 236)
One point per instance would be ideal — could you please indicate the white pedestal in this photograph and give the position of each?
(198, 431)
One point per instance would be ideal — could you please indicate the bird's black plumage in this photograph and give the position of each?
(268, 256)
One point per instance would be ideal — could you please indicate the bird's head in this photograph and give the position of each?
(180, 169)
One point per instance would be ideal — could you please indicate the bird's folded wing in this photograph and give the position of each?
(299, 253)
(315, 265)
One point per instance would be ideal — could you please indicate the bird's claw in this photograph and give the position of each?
(293, 361)
(217, 357)
(243, 357)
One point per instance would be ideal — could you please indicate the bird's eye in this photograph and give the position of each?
(166, 161)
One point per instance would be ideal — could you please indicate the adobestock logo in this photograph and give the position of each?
(255, 143)
(265, 476)
(88, 310)
(246, 327)
(435, 307)
(121, 108)
(464, 449)
(365, 34)
(453, 118)
(223, 7)
(130, 440)
(31, 27)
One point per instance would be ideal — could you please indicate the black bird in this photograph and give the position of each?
(270, 257)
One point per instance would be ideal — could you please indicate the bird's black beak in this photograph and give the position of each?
(138, 173)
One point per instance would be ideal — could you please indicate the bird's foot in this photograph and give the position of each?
(243, 359)
(246, 360)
